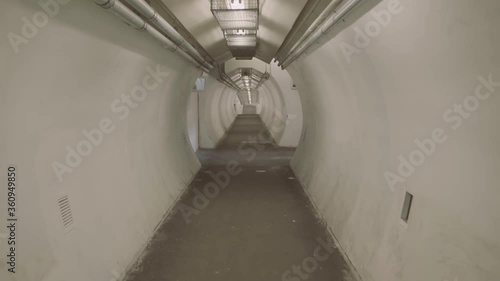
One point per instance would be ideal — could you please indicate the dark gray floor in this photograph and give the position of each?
(259, 227)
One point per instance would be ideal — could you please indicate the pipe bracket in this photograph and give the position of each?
(154, 17)
(144, 26)
(108, 5)
(173, 49)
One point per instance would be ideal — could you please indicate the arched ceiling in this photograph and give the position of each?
(276, 18)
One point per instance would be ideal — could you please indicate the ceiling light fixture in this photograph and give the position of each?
(238, 4)
(239, 20)
(236, 14)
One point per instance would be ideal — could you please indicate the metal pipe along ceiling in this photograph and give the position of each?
(322, 16)
(300, 20)
(154, 18)
(316, 30)
(140, 24)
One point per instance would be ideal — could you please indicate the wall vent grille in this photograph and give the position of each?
(65, 211)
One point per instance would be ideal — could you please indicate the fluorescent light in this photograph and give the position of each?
(236, 14)
(237, 19)
(230, 32)
(237, 4)
(234, 4)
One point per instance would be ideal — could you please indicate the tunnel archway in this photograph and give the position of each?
(96, 118)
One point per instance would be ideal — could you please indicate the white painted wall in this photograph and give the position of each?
(293, 117)
(63, 81)
(238, 106)
(217, 112)
(280, 109)
(359, 117)
(249, 109)
(273, 111)
(192, 120)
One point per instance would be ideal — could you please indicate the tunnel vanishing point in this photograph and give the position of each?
(259, 140)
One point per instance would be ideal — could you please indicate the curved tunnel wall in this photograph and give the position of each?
(273, 108)
(217, 112)
(74, 72)
(359, 117)
(281, 110)
(377, 100)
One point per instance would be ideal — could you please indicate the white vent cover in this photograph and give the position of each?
(65, 211)
(199, 85)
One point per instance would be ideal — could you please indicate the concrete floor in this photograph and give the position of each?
(259, 227)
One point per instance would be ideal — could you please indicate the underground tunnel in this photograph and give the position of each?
(168, 140)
